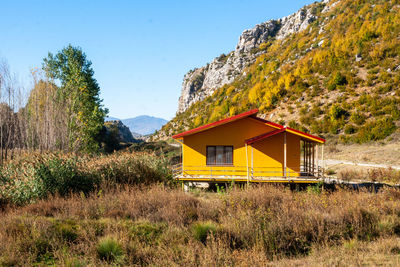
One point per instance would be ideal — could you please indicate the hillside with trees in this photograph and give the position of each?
(338, 78)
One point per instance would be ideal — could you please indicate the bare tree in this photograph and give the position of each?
(47, 119)
(11, 136)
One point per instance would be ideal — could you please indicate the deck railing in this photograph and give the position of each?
(245, 173)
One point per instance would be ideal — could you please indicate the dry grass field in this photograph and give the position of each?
(385, 152)
(163, 226)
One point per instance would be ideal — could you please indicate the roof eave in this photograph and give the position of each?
(306, 135)
(215, 124)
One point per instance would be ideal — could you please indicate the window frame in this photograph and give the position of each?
(215, 156)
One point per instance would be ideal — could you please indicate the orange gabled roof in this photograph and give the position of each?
(217, 123)
(251, 113)
(269, 123)
(306, 135)
(263, 136)
(281, 130)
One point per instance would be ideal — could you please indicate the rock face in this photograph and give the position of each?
(120, 131)
(202, 82)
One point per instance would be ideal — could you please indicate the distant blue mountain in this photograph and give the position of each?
(143, 125)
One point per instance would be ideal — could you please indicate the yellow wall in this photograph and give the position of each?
(268, 156)
(266, 153)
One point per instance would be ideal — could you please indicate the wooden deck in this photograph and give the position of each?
(240, 174)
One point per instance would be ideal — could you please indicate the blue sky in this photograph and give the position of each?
(140, 50)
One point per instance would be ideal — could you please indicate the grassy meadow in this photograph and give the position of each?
(126, 210)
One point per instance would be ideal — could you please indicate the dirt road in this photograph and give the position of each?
(333, 162)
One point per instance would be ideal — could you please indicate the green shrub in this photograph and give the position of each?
(336, 80)
(142, 169)
(43, 250)
(61, 176)
(17, 186)
(350, 129)
(337, 112)
(375, 130)
(110, 250)
(293, 124)
(147, 231)
(304, 110)
(307, 119)
(67, 230)
(202, 230)
(358, 118)
(330, 172)
(37, 177)
(75, 263)
(334, 127)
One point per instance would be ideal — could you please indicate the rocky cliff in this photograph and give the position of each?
(119, 131)
(202, 82)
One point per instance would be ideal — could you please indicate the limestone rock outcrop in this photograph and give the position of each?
(202, 82)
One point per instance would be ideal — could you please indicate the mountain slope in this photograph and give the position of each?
(144, 124)
(141, 125)
(120, 131)
(332, 69)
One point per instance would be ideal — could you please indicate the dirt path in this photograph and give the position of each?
(333, 162)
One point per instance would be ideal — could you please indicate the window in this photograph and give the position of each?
(219, 155)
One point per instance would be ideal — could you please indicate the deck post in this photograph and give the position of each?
(306, 145)
(317, 146)
(323, 161)
(247, 165)
(284, 154)
(182, 158)
(304, 156)
(252, 165)
(310, 148)
(308, 159)
(313, 159)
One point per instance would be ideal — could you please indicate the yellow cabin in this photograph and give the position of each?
(245, 148)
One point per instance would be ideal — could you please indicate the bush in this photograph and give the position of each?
(148, 232)
(202, 230)
(293, 124)
(67, 230)
(350, 129)
(358, 118)
(336, 80)
(110, 250)
(38, 176)
(131, 169)
(375, 130)
(337, 112)
(61, 176)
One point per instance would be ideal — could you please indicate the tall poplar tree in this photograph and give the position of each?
(78, 95)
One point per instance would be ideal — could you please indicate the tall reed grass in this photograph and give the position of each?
(37, 176)
(160, 226)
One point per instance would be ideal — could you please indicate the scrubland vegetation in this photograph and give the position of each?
(37, 176)
(124, 209)
(64, 202)
(164, 226)
(338, 77)
(383, 175)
